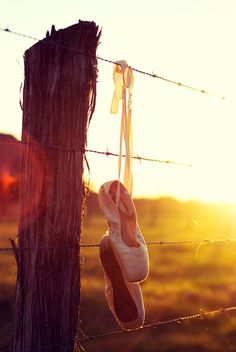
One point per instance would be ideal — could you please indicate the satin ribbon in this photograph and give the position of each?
(123, 81)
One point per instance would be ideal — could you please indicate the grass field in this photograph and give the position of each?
(184, 279)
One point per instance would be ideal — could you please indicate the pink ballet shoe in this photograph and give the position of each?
(124, 299)
(126, 238)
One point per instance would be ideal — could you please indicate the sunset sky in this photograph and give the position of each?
(188, 41)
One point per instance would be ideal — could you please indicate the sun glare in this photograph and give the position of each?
(7, 180)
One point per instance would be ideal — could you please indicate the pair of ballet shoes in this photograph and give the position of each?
(124, 256)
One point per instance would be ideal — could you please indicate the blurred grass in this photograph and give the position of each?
(184, 279)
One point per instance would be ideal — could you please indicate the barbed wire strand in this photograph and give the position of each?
(141, 158)
(150, 243)
(203, 316)
(153, 75)
(107, 153)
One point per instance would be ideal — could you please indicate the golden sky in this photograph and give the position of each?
(187, 41)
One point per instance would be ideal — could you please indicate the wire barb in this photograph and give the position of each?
(7, 30)
(152, 74)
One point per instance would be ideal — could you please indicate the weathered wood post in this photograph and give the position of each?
(58, 102)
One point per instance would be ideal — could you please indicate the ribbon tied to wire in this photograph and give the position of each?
(123, 81)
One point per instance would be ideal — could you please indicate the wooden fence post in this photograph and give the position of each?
(58, 103)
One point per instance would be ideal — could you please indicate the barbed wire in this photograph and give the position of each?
(140, 158)
(106, 153)
(149, 243)
(149, 74)
(202, 315)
